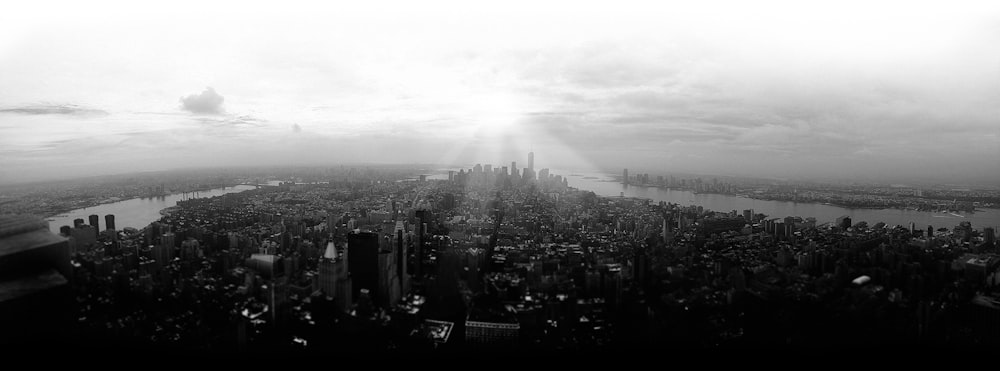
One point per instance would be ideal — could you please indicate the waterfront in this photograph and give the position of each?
(606, 185)
(136, 212)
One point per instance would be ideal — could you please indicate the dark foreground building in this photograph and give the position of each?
(35, 272)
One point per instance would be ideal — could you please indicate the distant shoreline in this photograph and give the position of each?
(61, 212)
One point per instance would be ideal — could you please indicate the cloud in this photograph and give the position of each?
(207, 102)
(296, 128)
(55, 109)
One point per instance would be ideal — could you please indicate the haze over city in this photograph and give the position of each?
(547, 180)
(891, 90)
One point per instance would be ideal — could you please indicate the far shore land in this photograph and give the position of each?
(94, 203)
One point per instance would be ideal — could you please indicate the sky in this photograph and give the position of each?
(840, 89)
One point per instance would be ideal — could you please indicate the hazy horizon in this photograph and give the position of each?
(887, 91)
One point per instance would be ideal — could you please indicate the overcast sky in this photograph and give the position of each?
(836, 89)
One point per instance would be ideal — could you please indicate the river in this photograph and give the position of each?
(606, 185)
(136, 212)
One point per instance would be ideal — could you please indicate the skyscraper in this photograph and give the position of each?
(531, 160)
(95, 221)
(625, 176)
(109, 221)
(362, 263)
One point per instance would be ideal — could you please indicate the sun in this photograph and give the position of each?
(495, 116)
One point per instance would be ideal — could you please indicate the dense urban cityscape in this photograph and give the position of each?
(449, 183)
(490, 258)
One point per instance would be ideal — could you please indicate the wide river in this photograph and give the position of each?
(136, 212)
(605, 185)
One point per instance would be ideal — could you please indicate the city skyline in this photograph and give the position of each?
(776, 89)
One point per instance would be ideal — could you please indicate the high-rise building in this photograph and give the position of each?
(328, 272)
(362, 263)
(109, 221)
(84, 237)
(531, 160)
(268, 266)
(513, 168)
(389, 290)
(401, 251)
(78, 222)
(164, 251)
(989, 235)
(625, 176)
(95, 221)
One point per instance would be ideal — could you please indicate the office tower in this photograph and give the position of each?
(164, 252)
(989, 235)
(77, 222)
(109, 221)
(451, 175)
(531, 160)
(362, 252)
(423, 217)
(401, 252)
(328, 271)
(543, 174)
(625, 176)
(513, 168)
(528, 174)
(36, 302)
(389, 290)
(748, 215)
(268, 266)
(789, 226)
(95, 221)
(334, 280)
(65, 231)
(930, 231)
(487, 168)
(84, 237)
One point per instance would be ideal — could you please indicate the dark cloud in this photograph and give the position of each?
(207, 102)
(55, 109)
